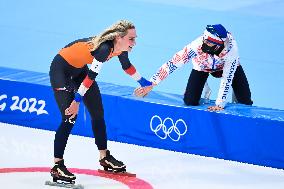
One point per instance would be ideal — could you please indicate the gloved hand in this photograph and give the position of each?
(144, 82)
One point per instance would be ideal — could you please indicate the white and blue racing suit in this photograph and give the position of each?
(227, 62)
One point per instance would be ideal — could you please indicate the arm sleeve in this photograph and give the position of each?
(128, 67)
(230, 66)
(177, 61)
(100, 56)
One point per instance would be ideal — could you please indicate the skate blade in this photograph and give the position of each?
(127, 174)
(64, 185)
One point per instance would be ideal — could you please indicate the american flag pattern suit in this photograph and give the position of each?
(228, 60)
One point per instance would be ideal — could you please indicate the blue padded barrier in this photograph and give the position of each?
(241, 133)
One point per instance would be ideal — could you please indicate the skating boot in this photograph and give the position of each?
(60, 172)
(111, 164)
(62, 177)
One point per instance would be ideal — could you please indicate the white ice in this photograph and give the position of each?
(27, 147)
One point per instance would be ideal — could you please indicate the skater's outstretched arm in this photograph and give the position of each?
(177, 61)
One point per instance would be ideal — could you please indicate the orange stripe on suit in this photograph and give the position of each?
(77, 55)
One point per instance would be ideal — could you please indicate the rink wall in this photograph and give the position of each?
(240, 133)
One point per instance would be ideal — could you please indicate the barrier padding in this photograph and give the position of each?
(161, 120)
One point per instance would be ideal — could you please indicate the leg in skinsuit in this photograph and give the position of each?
(93, 102)
(60, 78)
(195, 85)
(241, 87)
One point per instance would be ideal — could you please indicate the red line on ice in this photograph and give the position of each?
(131, 182)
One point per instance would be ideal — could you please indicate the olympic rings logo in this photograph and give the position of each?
(172, 132)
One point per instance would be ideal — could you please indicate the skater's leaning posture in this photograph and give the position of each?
(73, 82)
(215, 52)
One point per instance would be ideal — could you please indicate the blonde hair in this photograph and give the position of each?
(117, 29)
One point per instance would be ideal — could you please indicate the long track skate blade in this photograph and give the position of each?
(127, 174)
(64, 185)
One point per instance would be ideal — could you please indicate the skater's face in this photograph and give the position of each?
(127, 42)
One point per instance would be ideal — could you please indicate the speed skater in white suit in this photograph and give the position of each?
(215, 52)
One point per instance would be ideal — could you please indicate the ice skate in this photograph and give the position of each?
(62, 177)
(113, 166)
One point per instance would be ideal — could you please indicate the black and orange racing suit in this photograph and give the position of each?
(68, 73)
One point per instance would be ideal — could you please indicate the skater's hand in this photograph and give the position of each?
(73, 109)
(143, 91)
(215, 108)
